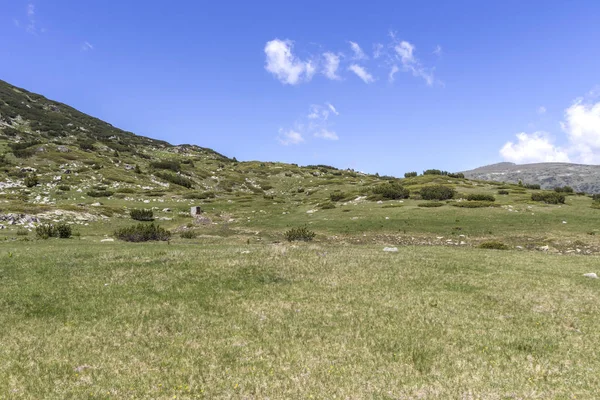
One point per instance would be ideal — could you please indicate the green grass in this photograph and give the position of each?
(112, 320)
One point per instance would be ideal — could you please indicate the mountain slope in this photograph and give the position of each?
(582, 178)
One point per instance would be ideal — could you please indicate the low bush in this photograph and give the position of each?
(22, 232)
(563, 189)
(31, 180)
(431, 204)
(199, 196)
(503, 192)
(337, 196)
(410, 174)
(46, 231)
(437, 192)
(188, 235)
(142, 233)
(391, 191)
(494, 245)
(532, 186)
(480, 197)
(474, 204)
(549, 197)
(126, 190)
(299, 234)
(100, 193)
(64, 188)
(327, 206)
(141, 215)
(166, 164)
(458, 175)
(176, 179)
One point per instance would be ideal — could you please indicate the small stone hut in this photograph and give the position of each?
(195, 210)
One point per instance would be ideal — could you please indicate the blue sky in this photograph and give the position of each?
(386, 87)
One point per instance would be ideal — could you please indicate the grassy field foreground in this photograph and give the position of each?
(112, 320)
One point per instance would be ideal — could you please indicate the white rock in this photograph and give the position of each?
(107, 240)
(390, 249)
(591, 275)
(544, 248)
(564, 222)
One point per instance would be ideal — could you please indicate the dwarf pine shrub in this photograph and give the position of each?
(494, 245)
(549, 197)
(46, 231)
(481, 197)
(391, 191)
(299, 234)
(142, 215)
(437, 192)
(142, 233)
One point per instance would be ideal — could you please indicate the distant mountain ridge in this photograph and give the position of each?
(581, 177)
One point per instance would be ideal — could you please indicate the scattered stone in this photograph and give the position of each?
(544, 248)
(564, 222)
(390, 249)
(591, 275)
(166, 210)
(108, 240)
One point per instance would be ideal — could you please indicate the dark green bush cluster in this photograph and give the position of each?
(199, 196)
(391, 191)
(481, 197)
(31, 180)
(22, 232)
(437, 192)
(176, 179)
(563, 189)
(532, 186)
(475, 204)
(327, 206)
(503, 192)
(299, 234)
(457, 175)
(86, 145)
(141, 215)
(411, 174)
(166, 164)
(434, 172)
(45, 231)
(494, 245)
(64, 188)
(431, 204)
(188, 235)
(337, 196)
(24, 149)
(142, 233)
(100, 193)
(549, 197)
(126, 190)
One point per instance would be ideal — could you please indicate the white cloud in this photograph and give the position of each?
(541, 110)
(332, 63)
(377, 50)
(438, 51)
(359, 54)
(362, 73)
(290, 137)
(87, 46)
(405, 51)
(532, 148)
(31, 18)
(582, 125)
(282, 63)
(332, 108)
(326, 134)
(393, 72)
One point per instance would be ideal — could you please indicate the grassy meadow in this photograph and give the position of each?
(210, 318)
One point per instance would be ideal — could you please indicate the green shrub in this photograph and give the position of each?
(142, 233)
(549, 197)
(480, 197)
(434, 172)
(503, 192)
(337, 196)
(391, 191)
(596, 197)
(188, 235)
(299, 234)
(494, 245)
(46, 231)
(411, 174)
(22, 232)
(563, 189)
(431, 204)
(141, 215)
(474, 204)
(327, 206)
(126, 190)
(437, 192)
(166, 164)
(31, 180)
(100, 193)
(64, 188)
(458, 175)
(176, 179)
(137, 169)
(532, 186)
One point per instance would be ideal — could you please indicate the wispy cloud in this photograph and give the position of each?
(286, 67)
(405, 52)
(393, 72)
(332, 63)
(377, 50)
(290, 137)
(316, 124)
(362, 73)
(359, 54)
(541, 110)
(87, 46)
(31, 28)
(438, 51)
